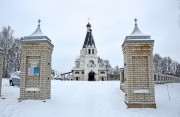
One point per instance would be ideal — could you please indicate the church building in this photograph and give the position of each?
(89, 66)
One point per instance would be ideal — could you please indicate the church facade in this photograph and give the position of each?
(89, 66)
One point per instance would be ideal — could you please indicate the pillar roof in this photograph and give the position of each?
(137, 34)
(37, 35)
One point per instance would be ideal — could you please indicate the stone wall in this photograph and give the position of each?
(162, 78)
(1, 70)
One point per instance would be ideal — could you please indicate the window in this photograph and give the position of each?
(92, 51)
(76, 72)
(89, 51)
(102, 72)
(91, 62)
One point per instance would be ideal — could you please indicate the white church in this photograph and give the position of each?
(89, 66)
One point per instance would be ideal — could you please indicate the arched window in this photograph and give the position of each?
(91, 62)
(92, 51)
(102, 72)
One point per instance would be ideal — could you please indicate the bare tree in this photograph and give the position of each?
(158, 63)
(12, 50)
(166, 65)
(116, 73)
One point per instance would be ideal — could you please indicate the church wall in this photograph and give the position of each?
(91, 67)
(80, 75)
(102, 74)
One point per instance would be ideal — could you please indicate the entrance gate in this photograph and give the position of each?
(91, 76)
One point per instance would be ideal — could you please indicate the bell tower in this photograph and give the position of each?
(89, 47)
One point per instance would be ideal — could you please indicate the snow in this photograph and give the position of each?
(141, 91)
(87, 99)
(37, 32)
(139, 39)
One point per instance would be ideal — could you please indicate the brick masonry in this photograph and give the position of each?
(1, 69)
(138, 74)
(37, 87)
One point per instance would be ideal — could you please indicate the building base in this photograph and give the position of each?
(139, 105)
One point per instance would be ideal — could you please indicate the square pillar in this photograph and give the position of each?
(36, 70)
(36, 66)
(139, 73)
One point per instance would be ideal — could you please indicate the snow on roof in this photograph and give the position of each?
(37, 32)
(136, 31)
(37, 35)
(137, 34)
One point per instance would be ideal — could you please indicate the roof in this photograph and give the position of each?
(37, 32)
(137, 34)
(37, 35)
(89, 41)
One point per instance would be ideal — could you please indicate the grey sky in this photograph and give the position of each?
(64, 22)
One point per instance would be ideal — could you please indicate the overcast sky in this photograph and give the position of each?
(64, 22)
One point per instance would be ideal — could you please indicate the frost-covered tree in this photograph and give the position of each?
(157, 63)
(12, 50)
(116, 73)
(178, 70)
(108, 66)
(174, 67)
(166, 65)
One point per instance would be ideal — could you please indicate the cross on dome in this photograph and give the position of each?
(88, 25)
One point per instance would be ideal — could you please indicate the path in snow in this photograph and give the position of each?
(87, 99)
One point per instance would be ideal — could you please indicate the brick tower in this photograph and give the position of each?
(36, 66)
(138, 70)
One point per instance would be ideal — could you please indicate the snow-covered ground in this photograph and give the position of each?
(87, 99)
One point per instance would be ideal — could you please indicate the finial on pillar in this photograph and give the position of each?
(39, 21)
(135, 21)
